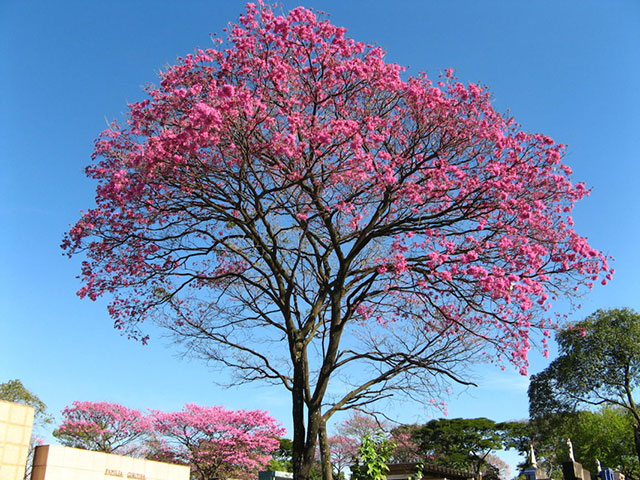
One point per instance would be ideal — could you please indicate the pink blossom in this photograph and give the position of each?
(102, 426)
(227, 90)
(430, 208)
(220, 442)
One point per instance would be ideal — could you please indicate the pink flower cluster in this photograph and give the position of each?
(456, 214)
(221, 442)
(224, 443)
(102, 426)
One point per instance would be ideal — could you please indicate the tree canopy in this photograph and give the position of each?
(102, 427)
(295, 208)
(281, 458)
(598, 364)
(219, 443)
(605, 434)
(213, 441)
(465, 443)
(15, 391)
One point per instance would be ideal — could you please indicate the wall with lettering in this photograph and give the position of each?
(53, 462)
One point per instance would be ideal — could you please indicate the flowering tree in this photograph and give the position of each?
(338, 451)
(295, 208)
(219, 443)
(496, 468)
(358, 425)
(407, 450)
(344, 451)
(102, 427)
(156, 448)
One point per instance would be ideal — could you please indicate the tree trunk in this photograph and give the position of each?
(304, 436)
(325, 453)
(636, 438)
(301, 467)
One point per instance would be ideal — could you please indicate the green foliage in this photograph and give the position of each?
(549, 437)
(599, 362)
(463, 443)
(15, 391)
(418, 472)
(374, 454)
(515, 435)
(282, 458)
(603, 434)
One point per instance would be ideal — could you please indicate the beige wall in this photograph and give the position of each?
(53, 462)
(16, 422)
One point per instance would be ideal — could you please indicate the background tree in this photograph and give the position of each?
(598, 364)
(293, 189)
(220, 443)
(103, 427)
(603, 434)
(344, 451)
(407, 449)
(359, 425)
(281, 458)
(496, 468)
(15, 391)
(464, 443)
(155, 447)
(549, 439)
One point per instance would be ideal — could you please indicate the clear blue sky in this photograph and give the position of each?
(569, 69)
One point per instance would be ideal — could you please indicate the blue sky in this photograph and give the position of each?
(568, 69)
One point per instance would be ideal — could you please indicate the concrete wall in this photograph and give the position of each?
(16, 422)
(53, 462)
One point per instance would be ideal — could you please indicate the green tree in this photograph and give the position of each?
(15, 391)
(281, 461)
(604, 435)
(549, 437)
(598, 364)
(464, 443)
(596, 435)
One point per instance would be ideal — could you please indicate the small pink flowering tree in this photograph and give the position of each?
(102, 427)
(338, 451)
(344, 451)
(359, 424)
(219, 443)
(295, 208)
(155, 447)
(407, 449)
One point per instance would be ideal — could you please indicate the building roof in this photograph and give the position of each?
(429, 470)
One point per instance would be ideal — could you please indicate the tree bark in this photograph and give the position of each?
(301, 468)
(305, 435)
(325, 452)
(636, 438)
